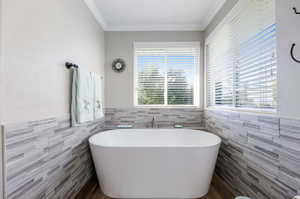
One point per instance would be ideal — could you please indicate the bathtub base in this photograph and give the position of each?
(155, 171)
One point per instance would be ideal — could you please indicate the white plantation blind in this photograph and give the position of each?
(220, 68)
(167, 74)
(241, 58)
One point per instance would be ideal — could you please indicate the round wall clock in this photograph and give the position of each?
(118, 65)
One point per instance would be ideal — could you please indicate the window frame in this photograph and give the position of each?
(197, 78)
(232, 14)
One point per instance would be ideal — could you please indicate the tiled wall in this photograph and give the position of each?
(164, 117)
(47, 158)
(260, 155)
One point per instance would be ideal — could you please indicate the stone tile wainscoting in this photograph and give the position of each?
(47, 158)
(260, 155)
(164, 117)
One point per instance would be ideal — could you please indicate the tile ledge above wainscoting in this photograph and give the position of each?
(196, 128)
(200, 128)
(289, 118)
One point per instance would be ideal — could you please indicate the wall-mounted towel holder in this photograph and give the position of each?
(70, 65)
(292, 53)
(295, 10)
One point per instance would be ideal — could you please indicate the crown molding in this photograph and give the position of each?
(167, 27)
(91, 4)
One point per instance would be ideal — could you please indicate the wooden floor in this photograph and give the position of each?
(96, 194)
(218, 190)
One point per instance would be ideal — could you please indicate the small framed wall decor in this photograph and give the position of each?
(118, 65)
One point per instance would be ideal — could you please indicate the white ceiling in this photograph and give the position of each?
(154, 15)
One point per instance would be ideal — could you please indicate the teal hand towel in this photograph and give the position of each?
(82, 97)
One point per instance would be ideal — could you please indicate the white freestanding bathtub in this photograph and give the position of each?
(154, 163)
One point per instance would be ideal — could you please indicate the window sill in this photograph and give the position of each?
(243, 110)
(167, 107)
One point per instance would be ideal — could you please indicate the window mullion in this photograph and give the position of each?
(235, 74)
(166, 82)
(196, 86)
(234, 82)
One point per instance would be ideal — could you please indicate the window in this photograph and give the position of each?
(166, 74)
(241, 68)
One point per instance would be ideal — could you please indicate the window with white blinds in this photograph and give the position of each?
(166, 74)
(241, 66)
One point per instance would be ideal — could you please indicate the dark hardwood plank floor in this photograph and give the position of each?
(218, 190)
(96, 194)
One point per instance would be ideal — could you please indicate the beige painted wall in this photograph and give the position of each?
(119, 86)
(38, 37)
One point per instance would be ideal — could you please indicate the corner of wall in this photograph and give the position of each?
(227, 6)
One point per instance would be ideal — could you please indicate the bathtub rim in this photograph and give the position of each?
(217, 144)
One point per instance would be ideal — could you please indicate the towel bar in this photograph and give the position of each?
(70, 65)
